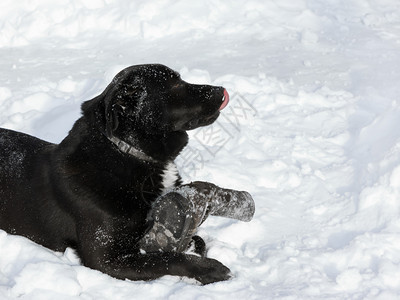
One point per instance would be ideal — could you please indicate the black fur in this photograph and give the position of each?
(87, 194)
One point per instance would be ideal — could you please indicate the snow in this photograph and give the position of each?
(310, 132)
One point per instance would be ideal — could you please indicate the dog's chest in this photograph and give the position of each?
(169, 176)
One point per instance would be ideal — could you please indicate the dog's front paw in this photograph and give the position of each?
(211, 271)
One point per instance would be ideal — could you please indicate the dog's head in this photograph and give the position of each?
(154, 97)
(154, 101)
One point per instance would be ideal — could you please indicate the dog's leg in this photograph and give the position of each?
(110, 247)
(154, 265)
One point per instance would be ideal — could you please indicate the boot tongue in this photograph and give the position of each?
(225, 100)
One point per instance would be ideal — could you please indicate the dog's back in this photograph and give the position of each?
(18, 152)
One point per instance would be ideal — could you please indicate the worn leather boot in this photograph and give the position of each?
(174, 225)
(178, 213)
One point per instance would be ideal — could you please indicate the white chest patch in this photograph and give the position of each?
(169, 176)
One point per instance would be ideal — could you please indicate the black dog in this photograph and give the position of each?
(94, 190)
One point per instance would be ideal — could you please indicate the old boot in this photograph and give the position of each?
(174, 225)
(228, 203)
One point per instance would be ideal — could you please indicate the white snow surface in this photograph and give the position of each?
(312, 132)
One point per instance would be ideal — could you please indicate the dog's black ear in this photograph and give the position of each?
(102, 114)
(120, 98)
(122, 102)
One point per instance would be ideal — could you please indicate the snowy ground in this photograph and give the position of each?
(311, 132)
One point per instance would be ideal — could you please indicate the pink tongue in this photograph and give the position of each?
(225, 100)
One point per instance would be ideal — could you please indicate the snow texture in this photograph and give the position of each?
(310, 132)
